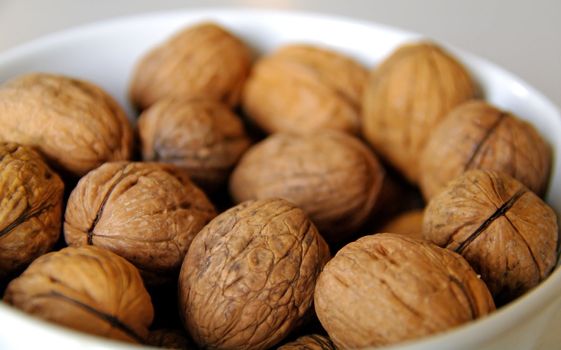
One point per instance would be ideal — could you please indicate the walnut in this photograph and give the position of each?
(76, 125)
(309, 342)
(87, 288)
(30, 209)
(332, 176)
(476, 135)
(387, 288)
(406, 97)
(201, 136)
(506, 232)
(409, 223)
(204, 60)
(169, 339)
(147, 213)
(302, 89)
(249, 275)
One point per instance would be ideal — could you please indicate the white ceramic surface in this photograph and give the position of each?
(105, 53)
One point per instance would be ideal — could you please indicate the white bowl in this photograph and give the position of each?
(105, 53)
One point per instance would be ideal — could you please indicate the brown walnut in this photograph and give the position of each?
(409, 223)
(301, 89)
(248, 278)
(169, 339)
(332, 176)
(406, 97)
(201, 136)
(506, 232)
(204, 60)
(147, 213)
(87, 288)
(309, 342)
(476, 135)
(30, 209)
(387, 288)
(75, 124)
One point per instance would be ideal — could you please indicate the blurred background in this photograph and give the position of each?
(522, 36)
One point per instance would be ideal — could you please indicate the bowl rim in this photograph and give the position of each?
(486, 328)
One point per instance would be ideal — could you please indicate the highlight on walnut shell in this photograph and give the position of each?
(505, 231)
(201, 61)
(304, 88)
(199, 135)
(147, 213)
(309, 342)
(248, 278)
(73, 123)
(30, 207)
(409, 223)
(477, 135)
(387, 288)
(332, 176)
(88, 289)
(407, 95)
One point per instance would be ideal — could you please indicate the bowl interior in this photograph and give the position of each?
(106, 53)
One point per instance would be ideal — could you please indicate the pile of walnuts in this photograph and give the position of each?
(270, 204)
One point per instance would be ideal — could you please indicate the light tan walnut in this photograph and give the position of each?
(476, 135)
(407, 95)
(332, 176)
(204, 60)
(87, 288)
(30, 207)
(201, 136)
(75, 124)
(409, 223)
(302, 89)
(388, 288)
(505, 231)
(146, 212)
(309, 342)
(248, 278)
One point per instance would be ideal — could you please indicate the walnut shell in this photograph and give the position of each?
(387, 288)
(409, 223)
(476, 135)
(302, 89)
(204, 60)
(87, 288)
(201, 136)
(309, 342)
(406, 97)
(332, 176)
(248, 278)
(169, 339)
(75, 124)
(147, 213)
(30, 207)
(506, 232)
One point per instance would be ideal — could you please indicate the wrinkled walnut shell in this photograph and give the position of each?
(332, 176)
(30, 210)
(248, 278)
(147, 213)
(309, 342)
(301, 89)
(406, 97)
(75, 124)
(506, 232)
(476, 135)
(409, 223)
(388, 288)
(202, 61)
(201, 136)
(87, 288)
